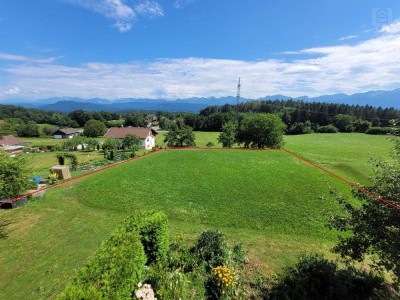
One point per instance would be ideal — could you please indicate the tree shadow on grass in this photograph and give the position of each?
(3, 226)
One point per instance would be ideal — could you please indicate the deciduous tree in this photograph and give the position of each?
(228, 135)
(94, 128)
(261, 131)
(180, 137)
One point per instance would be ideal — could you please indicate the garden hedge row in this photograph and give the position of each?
(118, 266)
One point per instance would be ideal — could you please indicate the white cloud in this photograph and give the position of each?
(13, 91)
(21, 58)
(123, 14)
(350, 37)
(182, 3)
(149, 8)
(367, 65)
(392, 28)
(117, 10)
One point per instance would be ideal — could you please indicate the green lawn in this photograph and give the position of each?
(346, 154)
(271, 202)
(202, 138)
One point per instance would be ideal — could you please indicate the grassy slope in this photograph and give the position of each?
(265, 199)
(346, 154)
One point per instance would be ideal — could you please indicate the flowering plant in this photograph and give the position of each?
(223, 278)
(145, 292)
(53, 178)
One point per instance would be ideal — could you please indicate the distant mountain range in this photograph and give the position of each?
(64, 104)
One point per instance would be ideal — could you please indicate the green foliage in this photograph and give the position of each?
(73, 160)
(344, 122)
(211, 249)
(153, 230)
(14, 175)
(130, 142)
(361, 125)
(170, 284)
(374, 226)
(114, 270)
(314, 277)
(94, 128)
(228, 135)
(327, 129)
(135, 120)
(180, 136)
(210, 144)
(300, 128)
(379, 130)
(261, 131)
(110, 143)
(92, 144)
(29, 129)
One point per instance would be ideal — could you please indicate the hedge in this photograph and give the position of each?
(153, 229)
(327, 129)
(118, 266)
(379, 130)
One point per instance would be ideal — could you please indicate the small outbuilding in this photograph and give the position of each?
(65, 133)
(146, 135)
(11, 143)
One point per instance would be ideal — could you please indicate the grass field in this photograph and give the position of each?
(271, 202)
(346, 154)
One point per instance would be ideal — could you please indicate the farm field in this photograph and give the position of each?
(346, 154)
(272, 203)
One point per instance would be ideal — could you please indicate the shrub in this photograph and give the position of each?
(153, 230)
(379, 130)
(210, 144)
(211, 249)
(314, 277)
(327, 129)
(113, 272)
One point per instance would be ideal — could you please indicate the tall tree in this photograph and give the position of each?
(14, 175)
(130, 142)
(228, 135)
(94, 128)
(180, 137)
(136, 120)
(261, 131)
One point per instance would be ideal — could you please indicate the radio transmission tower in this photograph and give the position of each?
(238, 94)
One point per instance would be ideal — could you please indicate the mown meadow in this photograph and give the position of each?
(274, 204)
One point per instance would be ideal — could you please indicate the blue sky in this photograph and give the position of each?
(196, 48)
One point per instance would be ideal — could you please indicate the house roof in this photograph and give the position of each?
(67, 130)
(10, 140)
(120, 133)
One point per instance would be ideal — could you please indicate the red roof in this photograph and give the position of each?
(10, 140)
(120, 133)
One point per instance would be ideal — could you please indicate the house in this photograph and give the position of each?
(146, 135)
(65, 133)
(10, 143)
(2, 122)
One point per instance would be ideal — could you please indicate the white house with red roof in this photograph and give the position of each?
(147, 136)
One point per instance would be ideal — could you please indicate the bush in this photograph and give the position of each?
(379, 130)
(315, 277)
(113, 272)
(327, 129)
(211, 249)
(154, 235)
